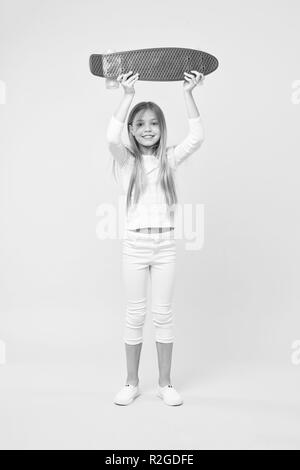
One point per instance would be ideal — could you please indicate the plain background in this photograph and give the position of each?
(61, 292)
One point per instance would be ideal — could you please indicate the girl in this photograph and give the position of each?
(147, 170)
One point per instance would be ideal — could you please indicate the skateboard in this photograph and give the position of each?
(154, 64)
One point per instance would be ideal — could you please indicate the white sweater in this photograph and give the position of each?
(152, 209)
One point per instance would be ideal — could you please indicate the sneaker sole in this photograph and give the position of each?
(130, 401)
(170, 404)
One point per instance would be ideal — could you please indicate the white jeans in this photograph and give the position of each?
(153, 253)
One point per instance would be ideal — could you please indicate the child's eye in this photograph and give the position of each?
(140, 124)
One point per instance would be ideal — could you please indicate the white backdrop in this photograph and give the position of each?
(61, 292)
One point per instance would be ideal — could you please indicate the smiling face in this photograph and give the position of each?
(145, 128)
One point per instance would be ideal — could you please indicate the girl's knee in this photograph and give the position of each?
(136, 313)
(162, 315)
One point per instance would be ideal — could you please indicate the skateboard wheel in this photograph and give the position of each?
(110, 83)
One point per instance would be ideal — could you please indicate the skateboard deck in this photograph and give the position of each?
(154, 64)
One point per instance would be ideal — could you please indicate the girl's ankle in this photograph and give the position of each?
(132, 382)
(163, 383)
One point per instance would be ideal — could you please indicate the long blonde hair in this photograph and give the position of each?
(137, 182)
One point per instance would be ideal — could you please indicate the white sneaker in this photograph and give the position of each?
(127, 394)
(169, 395)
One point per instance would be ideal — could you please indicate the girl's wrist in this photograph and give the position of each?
(129, 93)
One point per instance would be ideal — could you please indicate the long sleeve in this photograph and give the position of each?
(115, 145)
(191, 143)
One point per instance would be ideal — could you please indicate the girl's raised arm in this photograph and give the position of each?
(191, 143)
(195, 136)
(116, 124)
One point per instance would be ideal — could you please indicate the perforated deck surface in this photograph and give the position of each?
(155, 64)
